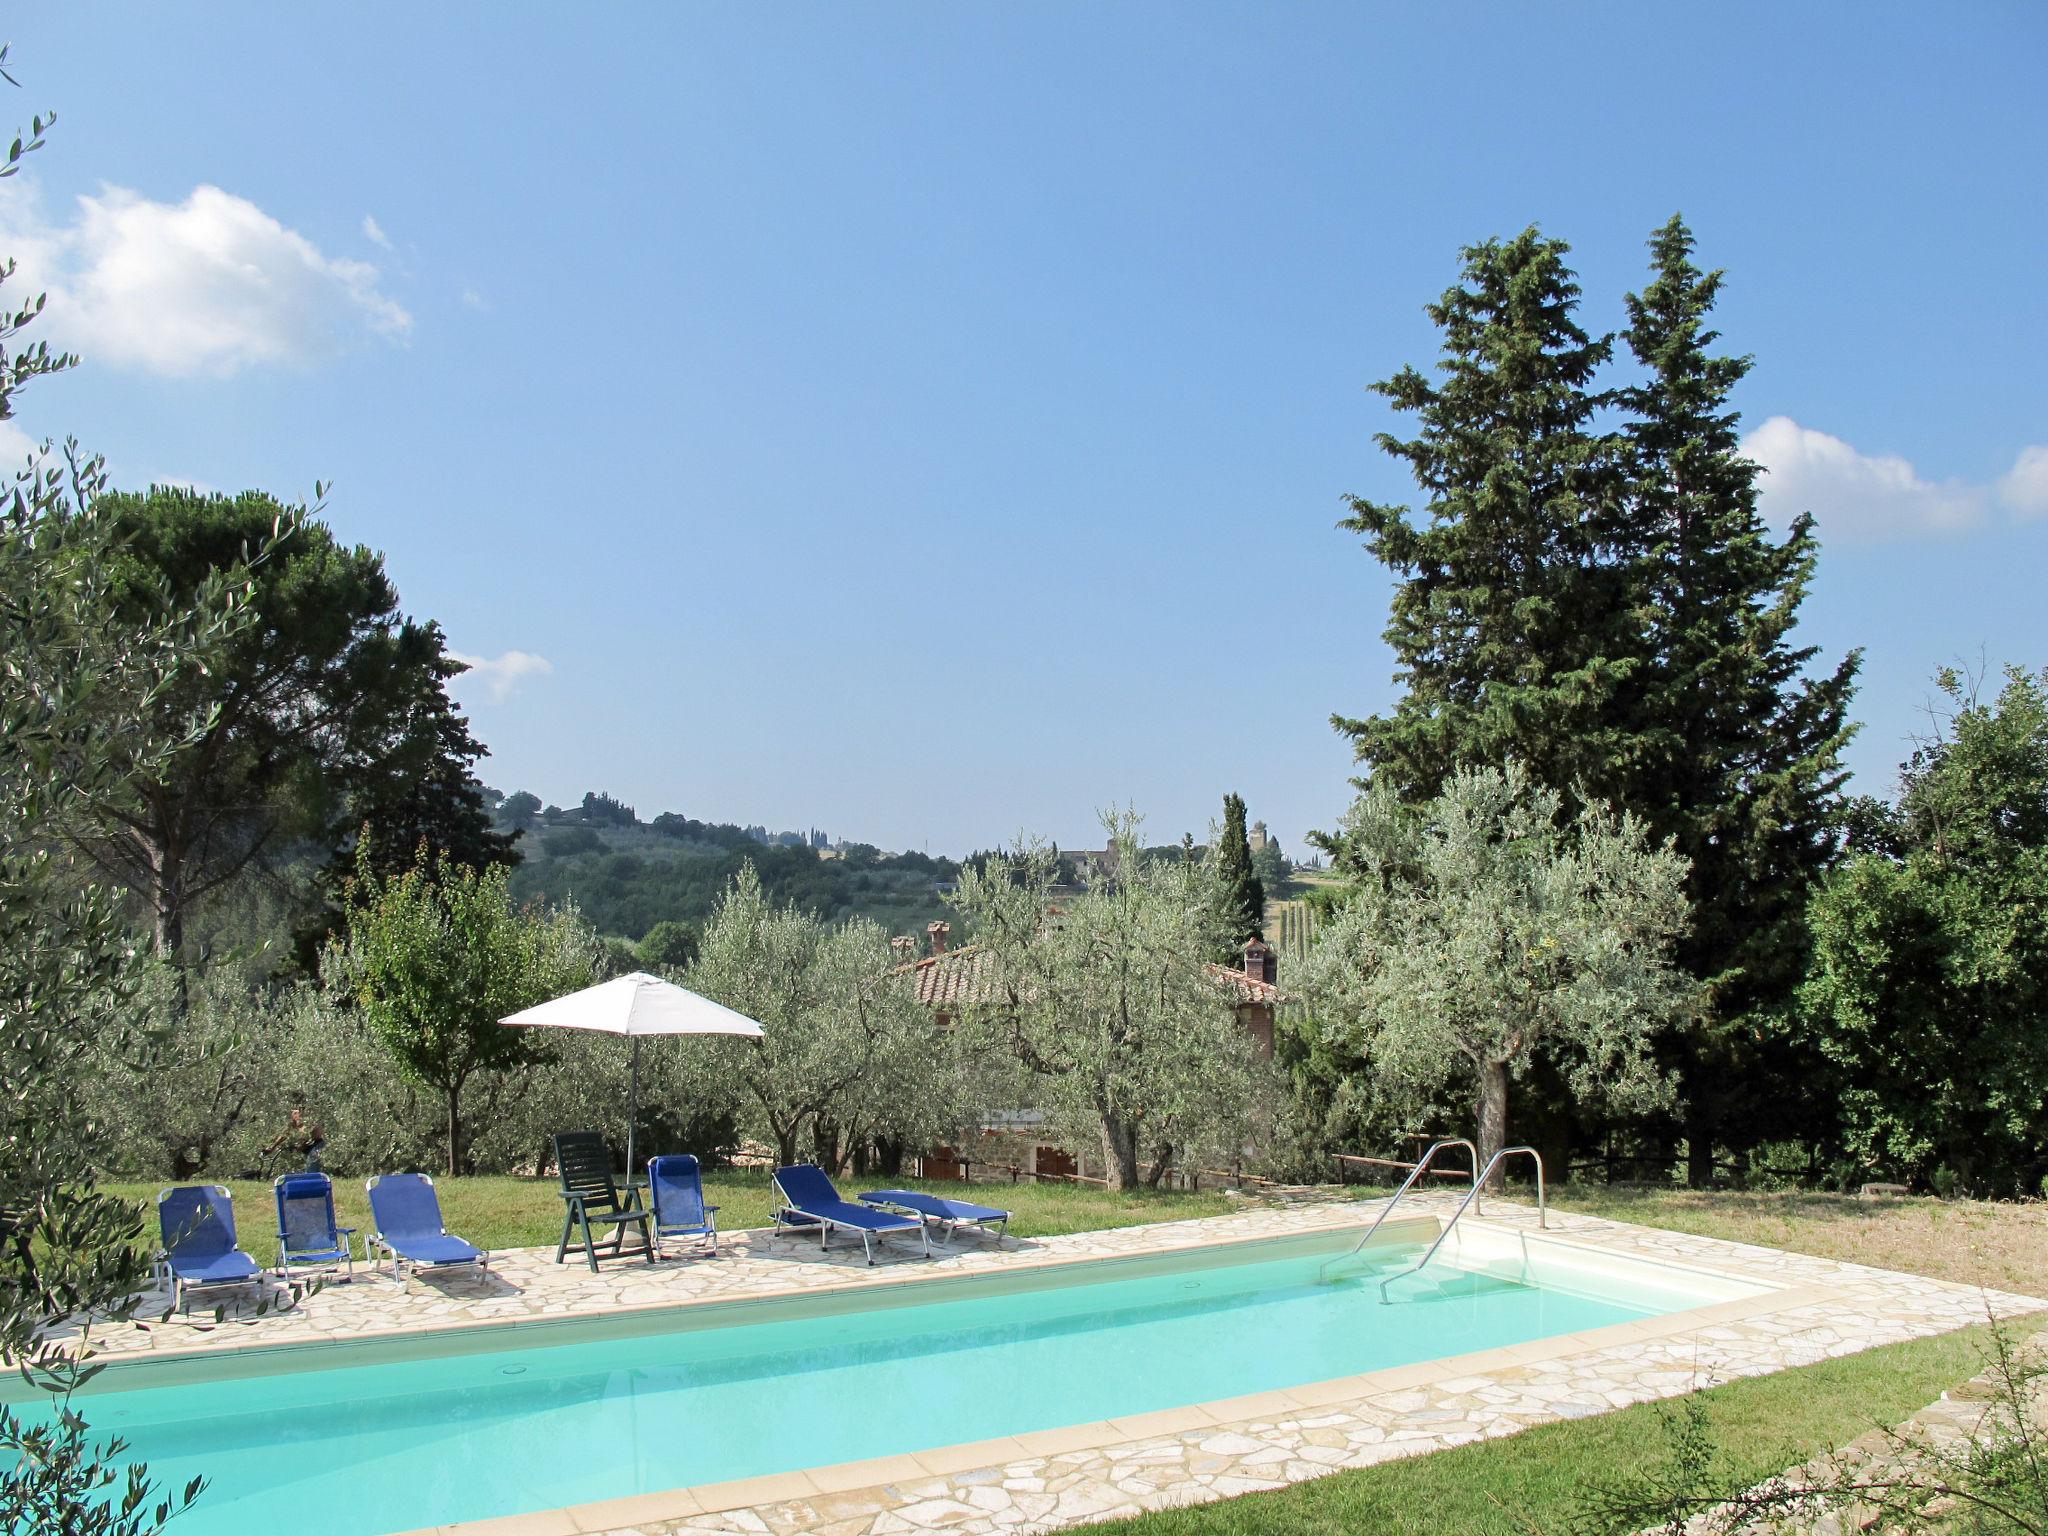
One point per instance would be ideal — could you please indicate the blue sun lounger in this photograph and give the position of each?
(199, 1251)
(307, 1236)
(949, 1214)
(809, 1200)
(407, 1213)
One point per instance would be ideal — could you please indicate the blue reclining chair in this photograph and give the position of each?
(407, 1214)
(951, 1215)
(675, 1186)
(307, 1236)
(199, 1253)
(808, 1199)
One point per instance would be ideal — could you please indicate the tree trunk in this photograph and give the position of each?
(825, 1146)
(167, 916)
(785, 1145)
(1699, 1139)
(1493, 1115)
(1119, 1153)
(169, 928)
(1161, 1161)
(455, 1131)
(168, 931)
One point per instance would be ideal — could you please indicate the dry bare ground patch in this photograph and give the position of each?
(2003, 1245)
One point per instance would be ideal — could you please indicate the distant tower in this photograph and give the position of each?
(1257, 836)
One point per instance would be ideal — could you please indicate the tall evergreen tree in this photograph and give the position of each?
(1244, 895)
(327, 711)
(1610, 608)
(1735, 749)
(1508, 630)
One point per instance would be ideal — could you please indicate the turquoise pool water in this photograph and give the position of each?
(369, 1449)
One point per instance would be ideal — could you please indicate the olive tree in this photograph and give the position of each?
(845, 1043)
(81, 685)
(1109, 1001)
(1483, 930)
(435, 955)
(215, 1091)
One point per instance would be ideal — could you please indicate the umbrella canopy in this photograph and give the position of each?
(635, 1005)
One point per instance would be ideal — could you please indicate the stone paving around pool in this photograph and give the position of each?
(1062, 1477)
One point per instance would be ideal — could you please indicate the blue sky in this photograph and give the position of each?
(929, 422)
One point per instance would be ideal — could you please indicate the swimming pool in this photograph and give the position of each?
(362, 1440)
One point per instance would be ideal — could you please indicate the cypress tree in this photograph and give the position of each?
(1508, 629)
(1610, 608)
(1244, 896)
(1736, 750)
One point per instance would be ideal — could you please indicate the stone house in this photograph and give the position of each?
(947, 978)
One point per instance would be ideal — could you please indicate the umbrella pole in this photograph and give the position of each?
(633, 1109)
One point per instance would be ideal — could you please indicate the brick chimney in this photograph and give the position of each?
(904, 947)
(936, 933)
(1261, 962)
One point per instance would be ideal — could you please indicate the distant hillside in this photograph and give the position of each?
(627, 875)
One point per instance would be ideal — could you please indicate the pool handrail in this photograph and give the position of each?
(1421, 1166)
(1478, 1183)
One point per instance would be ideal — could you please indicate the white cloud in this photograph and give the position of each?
(1855, 497)
(471, 299)
(2024, 488)
(15, 448)
(498, 676)
(375, 232)
(210, 285)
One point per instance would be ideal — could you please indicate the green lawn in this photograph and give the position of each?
(527, 1213)
(1529, 1484)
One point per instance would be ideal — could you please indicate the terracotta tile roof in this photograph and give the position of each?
(950, 980)
(1249, 989)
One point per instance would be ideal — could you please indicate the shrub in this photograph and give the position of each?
(567, 842)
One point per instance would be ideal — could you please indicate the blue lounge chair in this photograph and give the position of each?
(951, 1215)
(197, 1222)
(675, 1188)
(809, 1200)
(307, 1236)
(407, 1214)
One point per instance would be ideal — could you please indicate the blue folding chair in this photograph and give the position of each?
(199, 1253)
(675, 1188)
(407, 1214)
(307, 1236)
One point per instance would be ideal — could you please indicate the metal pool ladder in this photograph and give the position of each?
(1421, 1165)
(1478, 1184)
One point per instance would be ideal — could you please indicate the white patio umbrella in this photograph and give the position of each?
(635, 1005)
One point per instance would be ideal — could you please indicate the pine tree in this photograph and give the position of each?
(1244, 896)
(1509, 632)
(1736, 750)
